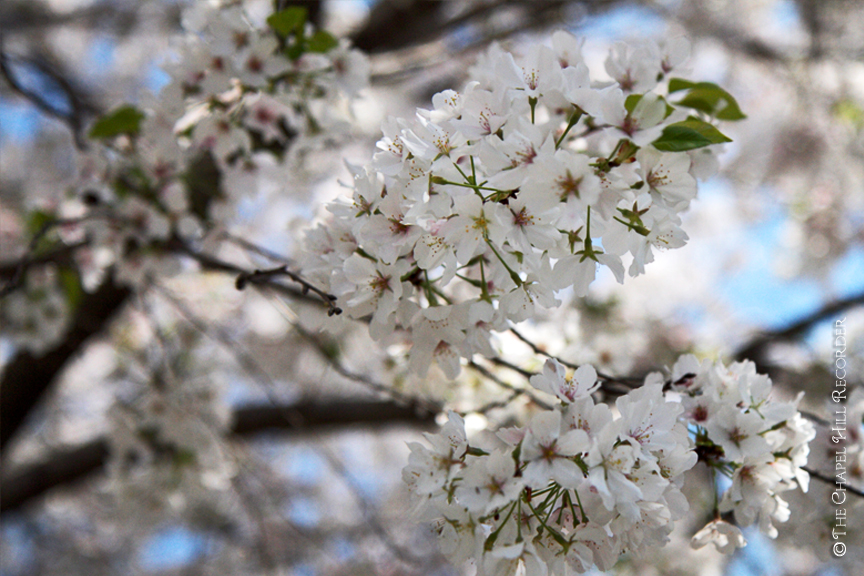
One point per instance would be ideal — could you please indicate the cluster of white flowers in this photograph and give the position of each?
(583, 483)
(242, 102)
(574, 489)
(168, 449)
(475, 212)
(761, 444)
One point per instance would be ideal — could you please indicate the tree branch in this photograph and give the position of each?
(80, 108)
(64, 467)
(27, 377)
(830, 480)
(265, 280)
(755, 349)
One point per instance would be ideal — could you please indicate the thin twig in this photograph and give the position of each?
(628, 382)
(74, 118)
(370, 518)
(293, 418)
(752, 349)
(27, 259)
(261, 278)
(510, 366)
(495, 404)
(831, 480)
(507, 386)
(256, 249)
(407, 399)
(814, 418)
(258, 275)
(221, 336)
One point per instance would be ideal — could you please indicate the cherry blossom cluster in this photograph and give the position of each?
(574, 489)
(244, 101)
(759, 443)
(168, 446)
(476, 212)
(583, 482)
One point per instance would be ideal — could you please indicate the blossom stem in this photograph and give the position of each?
(574, 119)
(581, 509)
(553, 495)
(716, 496)
(484, 287)
(513, 275)
(475, 187)
(490, 541)
(427, 288)
(555, 534)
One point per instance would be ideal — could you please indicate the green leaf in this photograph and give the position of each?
(288, 21)
(707, 97)
(295, 50)
(849, 112)
(707, 130)
(322, 41)
(680, 138)
(678, 84)
(183, 457)
(633, 100)
(71, 283)
(203, 185)
(37, 220)
(123, 120)
(689, 135)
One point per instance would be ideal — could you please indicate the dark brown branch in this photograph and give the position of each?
(260, 276)
(16, 270)
(395, 25)
(64, 467)
(831, 480)
(514, 391)
(755, 349)
(80, 108)
(214, 264)
(324, 348)
(27, 377)
(13, 270)
(628, 383)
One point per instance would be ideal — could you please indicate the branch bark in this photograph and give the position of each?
(755, 349)
(66, 467)
(27, 377)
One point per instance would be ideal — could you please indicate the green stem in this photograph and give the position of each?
(475, 187)
(513, 275)
(574, 119)
(555, 534)
(484, 288)
(490, 541)
(716, 496)
(519, 522)
(581, 509)
(440, 294)
(427, 287)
